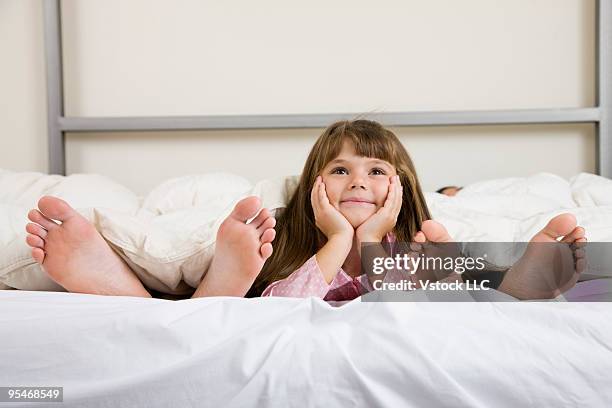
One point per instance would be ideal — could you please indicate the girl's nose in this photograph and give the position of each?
(358, 182)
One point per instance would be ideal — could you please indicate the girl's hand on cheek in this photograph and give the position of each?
(383, 221)
(328, 219)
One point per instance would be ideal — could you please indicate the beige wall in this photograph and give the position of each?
(23, 120)
(162, 57)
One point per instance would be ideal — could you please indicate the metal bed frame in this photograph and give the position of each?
(58, 124)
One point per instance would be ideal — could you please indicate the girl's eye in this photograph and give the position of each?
(378, 172)
(339, 170)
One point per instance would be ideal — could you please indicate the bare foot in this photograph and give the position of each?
(75, 255)
(432, 231)
(548, 267)
(434, 241)
(240, 252)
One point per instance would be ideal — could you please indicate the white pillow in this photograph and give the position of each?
(80, 190)
(517, 197)
(591, 190)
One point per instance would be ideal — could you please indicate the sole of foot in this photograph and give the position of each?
(244, 242)
(552, 262)
(74, 254)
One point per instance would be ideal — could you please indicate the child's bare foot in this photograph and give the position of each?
(75, 255)
(548, 267)
(432, 231)
(240, 251)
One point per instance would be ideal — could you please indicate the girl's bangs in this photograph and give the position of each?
(369, 139)
(376, 146)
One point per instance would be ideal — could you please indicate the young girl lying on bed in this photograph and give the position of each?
(359, 185)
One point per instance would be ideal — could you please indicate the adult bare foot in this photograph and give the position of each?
(240, 251)
(75, 255)
(548, 267)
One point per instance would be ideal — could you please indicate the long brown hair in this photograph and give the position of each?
(298, 238)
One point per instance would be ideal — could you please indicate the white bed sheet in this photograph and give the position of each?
(127, 352)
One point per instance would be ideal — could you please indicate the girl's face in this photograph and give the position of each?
(357, 186)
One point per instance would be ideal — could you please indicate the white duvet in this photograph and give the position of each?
(280, 352)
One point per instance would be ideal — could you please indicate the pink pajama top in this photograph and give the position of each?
(308, 281)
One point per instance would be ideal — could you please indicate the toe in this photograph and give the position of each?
(435, 232)
(267, 224)
(268, 235)
(263, 215)
(266, 250)
(37, 217)
(35, 241)
(580, 232)
(56, 208)
(581, 265)
(576, 234)
(560, 226)
(246, 209)
(579, 253)
(36, 229)
(420, 237)
(38, 255)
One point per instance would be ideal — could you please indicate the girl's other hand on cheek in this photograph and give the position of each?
(328, 219)
(383, 221)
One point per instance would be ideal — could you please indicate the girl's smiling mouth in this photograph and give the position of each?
(357, 201)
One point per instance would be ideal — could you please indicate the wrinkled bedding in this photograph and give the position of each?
(167, 237)
(281, 352)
